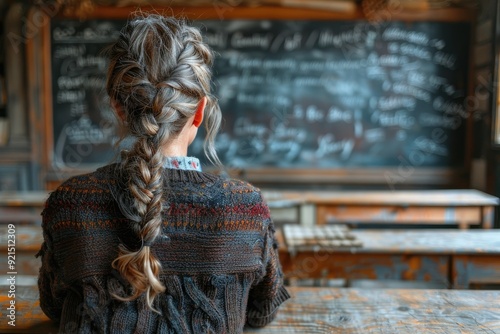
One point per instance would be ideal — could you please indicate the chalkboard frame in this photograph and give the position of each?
(401, 176)
(495, 133)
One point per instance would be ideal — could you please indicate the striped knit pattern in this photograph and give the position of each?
(218, 253)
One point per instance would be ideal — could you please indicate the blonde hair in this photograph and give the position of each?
(159, 71)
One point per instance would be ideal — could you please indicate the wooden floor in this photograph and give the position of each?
(336, 310)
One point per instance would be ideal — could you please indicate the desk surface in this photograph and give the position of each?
(334, 310)
(28, 238)
(420, 241)
(474, 242)
(328, 310)
(456, 257)
(20, 199)
(463, 197)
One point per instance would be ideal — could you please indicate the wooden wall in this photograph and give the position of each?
(17, 164)
(493, 153)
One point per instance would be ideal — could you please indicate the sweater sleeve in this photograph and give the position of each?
(50, 283)
(269, 293)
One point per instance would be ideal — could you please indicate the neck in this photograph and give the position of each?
(175, 151)
(178, 145)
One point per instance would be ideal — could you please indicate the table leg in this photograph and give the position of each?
(487, 217)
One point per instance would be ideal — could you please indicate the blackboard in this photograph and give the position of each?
(294, 94)
(84, 127)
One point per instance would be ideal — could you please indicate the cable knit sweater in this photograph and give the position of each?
(220, 261)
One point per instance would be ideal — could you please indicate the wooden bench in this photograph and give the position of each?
(334, 310)
(450, 258)
(463, 208)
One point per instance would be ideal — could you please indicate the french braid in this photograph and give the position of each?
(159, 71)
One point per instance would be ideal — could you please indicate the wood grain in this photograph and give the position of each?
(451, 258)
(459, 207)
(334, 310)
(394, 214)
(435, 241)
(464, 197)
(221, 10)
(22, 207)
(387, 311)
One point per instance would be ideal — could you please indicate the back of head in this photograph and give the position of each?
(159, 71)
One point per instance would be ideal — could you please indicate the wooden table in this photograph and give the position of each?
(334, 310)
(452, 258)
(29, 239)
(438, 207)
(22, 207)
(457, 207)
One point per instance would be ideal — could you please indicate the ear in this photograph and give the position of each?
(200, 110)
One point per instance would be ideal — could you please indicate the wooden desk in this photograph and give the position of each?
(462, 207)
(22, 207)
(451, 258)
(458, 207)
(333, 310)
(29, 239)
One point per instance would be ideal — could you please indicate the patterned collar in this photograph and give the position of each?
(185, 163)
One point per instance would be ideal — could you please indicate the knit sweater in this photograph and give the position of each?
(218, 253)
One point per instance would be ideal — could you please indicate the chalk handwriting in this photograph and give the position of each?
(327, 145)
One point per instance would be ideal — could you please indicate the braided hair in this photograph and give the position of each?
(159, 71)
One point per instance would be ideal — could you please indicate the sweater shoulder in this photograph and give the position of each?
(98, 180)
(95, 185)
(243, 190)
(240, 186)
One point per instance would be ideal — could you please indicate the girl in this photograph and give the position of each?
(152, 244)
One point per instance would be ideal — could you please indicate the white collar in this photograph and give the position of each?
(184, 163)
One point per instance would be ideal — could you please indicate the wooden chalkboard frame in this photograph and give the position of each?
(393, 178)
(495, 133)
